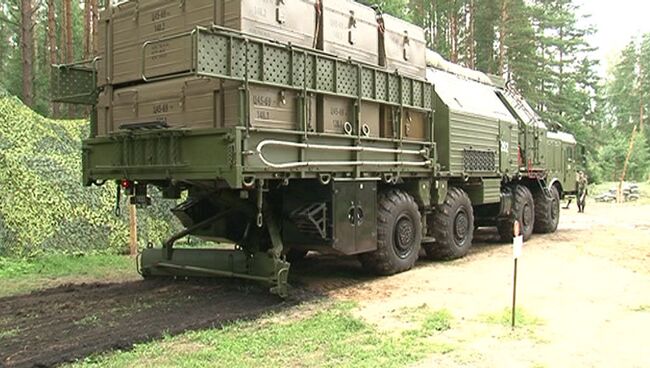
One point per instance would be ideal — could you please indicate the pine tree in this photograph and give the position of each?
(487, 12)
(67, 29)
(470, 39)
(52, 43)
(644, 83)
(622, 92)
(27, 49)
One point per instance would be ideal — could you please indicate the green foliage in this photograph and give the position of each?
(330, 338)
(607, 164)
(429, 320)
(623, 97)
(61, 265)
(398, 8)
(10, 54)
(504, 318)
(437, 321)
(44, 208)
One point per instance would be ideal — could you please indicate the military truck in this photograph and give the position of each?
(290, 126)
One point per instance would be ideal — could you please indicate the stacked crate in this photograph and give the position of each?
(146, 58)
(349, 30)
(142, 41)
(402, 48)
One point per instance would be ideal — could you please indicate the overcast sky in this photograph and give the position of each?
(616, 23)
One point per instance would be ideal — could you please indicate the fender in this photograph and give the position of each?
(555, 181)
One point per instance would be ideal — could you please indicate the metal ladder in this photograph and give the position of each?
(533, 119)
(544, 188)
(520, 105)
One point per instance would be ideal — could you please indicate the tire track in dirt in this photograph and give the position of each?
(69, 322)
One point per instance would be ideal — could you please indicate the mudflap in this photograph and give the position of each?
(265, 267)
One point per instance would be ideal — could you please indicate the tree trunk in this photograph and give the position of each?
(27, 50)
(453, 32)
(502, 37)
(561, 63)
(52, 45)
(471, 39)
(87, 29)
(95, 25)
(3, 45)
(67, 24)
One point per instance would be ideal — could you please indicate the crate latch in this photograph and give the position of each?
(279, 12)
(407, 46)
(351, 26)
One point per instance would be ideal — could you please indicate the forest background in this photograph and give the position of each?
(541, 45)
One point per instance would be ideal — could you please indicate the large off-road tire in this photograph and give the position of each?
(547, 211)
(523, 210)
(399, 234)
(452, 227)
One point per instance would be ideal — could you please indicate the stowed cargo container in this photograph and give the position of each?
(199, 102)
(145, 38)
(282, 149)
(402, 47)
(349, 30)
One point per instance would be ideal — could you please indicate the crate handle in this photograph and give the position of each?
(146, 44)
(279, 14)
(407, 46)
(351, 25)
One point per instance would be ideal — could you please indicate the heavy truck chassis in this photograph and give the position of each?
(277, 149)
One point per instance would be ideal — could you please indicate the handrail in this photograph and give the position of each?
(423, 152)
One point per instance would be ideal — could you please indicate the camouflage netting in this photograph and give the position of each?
(43, 206)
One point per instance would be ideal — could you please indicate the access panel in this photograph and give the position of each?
(355, 216)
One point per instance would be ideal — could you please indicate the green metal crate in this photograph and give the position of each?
(224, 54)
(75, 83)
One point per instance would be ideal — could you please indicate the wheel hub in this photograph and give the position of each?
(555, 209)
(404, 236)
(461, 226)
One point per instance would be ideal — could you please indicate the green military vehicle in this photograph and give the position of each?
(307, 125)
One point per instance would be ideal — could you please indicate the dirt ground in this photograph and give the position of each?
(588, 284)
(73, 321)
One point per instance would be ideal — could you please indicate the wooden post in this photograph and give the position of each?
(517, 241)
(619, 192)
(133, 230)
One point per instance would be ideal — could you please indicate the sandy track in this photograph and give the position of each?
(589, 283)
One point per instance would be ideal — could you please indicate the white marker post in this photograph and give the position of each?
(517, 244)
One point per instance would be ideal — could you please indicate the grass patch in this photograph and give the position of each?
(526, 324)
(90, 320)
(427, 321)
(24, 275)
(332, 337)
(9, 333)
(439, 321)
(504, 318)
(427, 318)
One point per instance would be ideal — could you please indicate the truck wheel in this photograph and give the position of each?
(523, 210)
(399, 234)
(547, 211)
(453, 227)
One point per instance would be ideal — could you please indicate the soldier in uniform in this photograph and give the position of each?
(582, 191)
